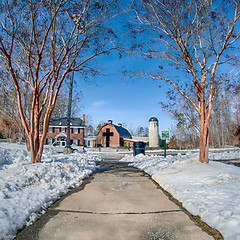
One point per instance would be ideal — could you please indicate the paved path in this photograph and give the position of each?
(117, 203)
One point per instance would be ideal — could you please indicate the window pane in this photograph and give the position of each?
(75, 130)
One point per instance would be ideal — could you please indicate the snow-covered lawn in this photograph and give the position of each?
(26, 190)
(211, 191)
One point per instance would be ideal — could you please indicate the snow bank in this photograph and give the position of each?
(209, 190)
(225, 155)
(10, 157)
(26, 190)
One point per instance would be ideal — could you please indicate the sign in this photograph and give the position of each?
(165, 134)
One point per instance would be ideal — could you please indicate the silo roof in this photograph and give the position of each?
(153, 119)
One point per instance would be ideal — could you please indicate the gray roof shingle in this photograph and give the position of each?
(77, 122)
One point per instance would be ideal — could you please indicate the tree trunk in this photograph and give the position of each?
(204, 144)
(32, 148)
(204, 130)
(36, 142)
(204, 133)
(39, 153)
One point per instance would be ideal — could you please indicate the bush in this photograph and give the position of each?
(173, 143)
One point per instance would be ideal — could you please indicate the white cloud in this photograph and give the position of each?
(99, 103)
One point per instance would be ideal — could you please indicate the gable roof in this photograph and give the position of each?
(238, 131)
(62, 122)
(122, 131)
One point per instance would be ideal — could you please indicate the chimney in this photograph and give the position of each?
(110, 121)
(120, 125)
(83, 118)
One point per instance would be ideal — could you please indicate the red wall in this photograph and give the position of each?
(114, 140)
(79, 136)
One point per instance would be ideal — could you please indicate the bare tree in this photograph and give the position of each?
(196, 37)
(8, 108)
(60, 109)
(223, 124)
(37, 42)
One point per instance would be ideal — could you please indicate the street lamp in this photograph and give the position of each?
(79, 30)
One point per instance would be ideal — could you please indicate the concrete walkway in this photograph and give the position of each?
(118, 202)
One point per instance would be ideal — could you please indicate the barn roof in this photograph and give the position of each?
(122, 131)
(63, 122)
(238, 131)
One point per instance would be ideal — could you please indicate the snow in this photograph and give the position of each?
(169, 151)
(211, 191)
(27, 190)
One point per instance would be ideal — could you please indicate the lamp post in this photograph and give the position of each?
(69, 111)
(79, 30)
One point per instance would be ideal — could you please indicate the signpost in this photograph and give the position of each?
(165, 135)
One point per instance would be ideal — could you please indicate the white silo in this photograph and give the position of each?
(153, 132)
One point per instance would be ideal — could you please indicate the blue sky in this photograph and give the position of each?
(131, 102)
(127, 101)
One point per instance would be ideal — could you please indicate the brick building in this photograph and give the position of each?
(110, 135)
(57, 132)
(237, 134)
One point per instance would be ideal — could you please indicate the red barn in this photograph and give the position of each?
(110, 135)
